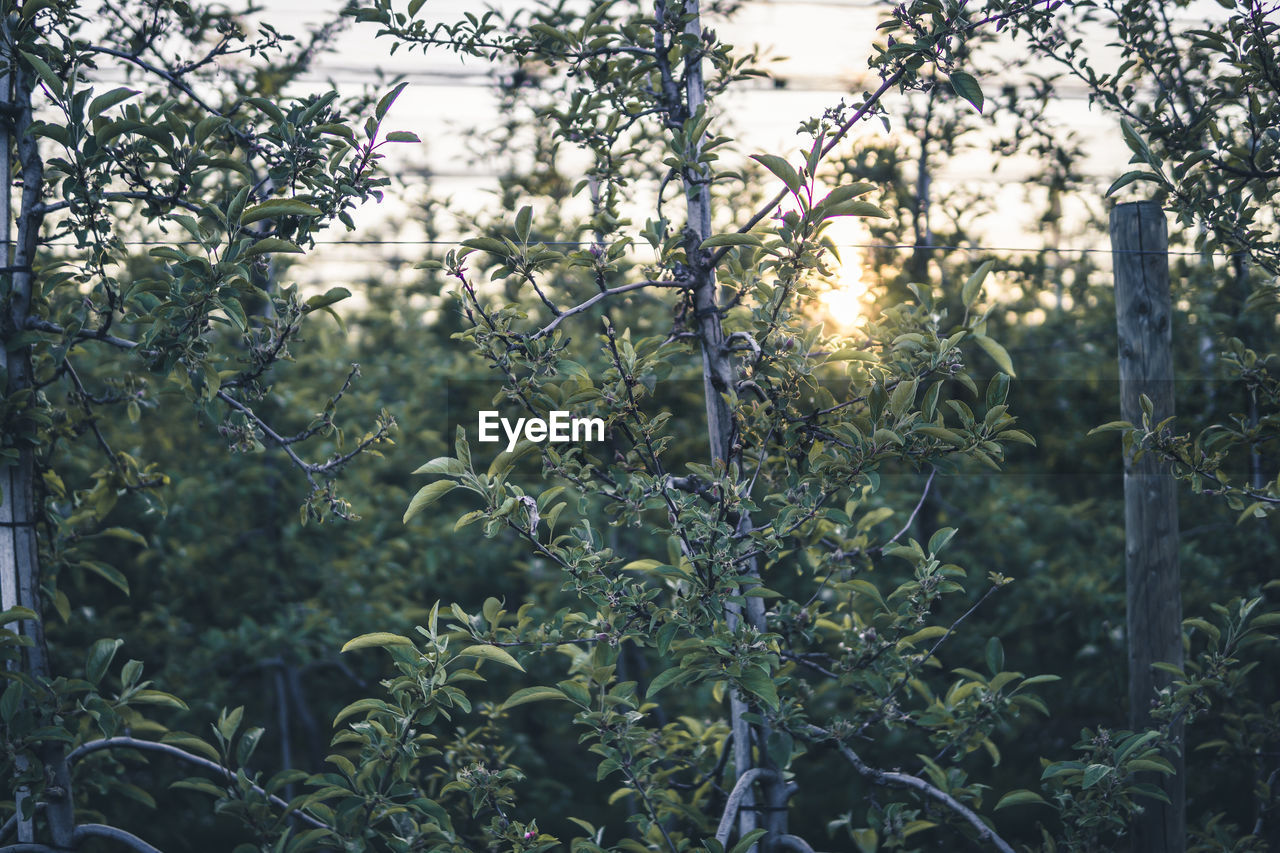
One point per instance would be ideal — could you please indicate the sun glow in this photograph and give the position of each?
(845, 303)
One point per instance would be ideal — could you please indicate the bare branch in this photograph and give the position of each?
(99, 830)
(794, 842)
(915, 783)
(740, 790)
(920, 503)
(614, 291)
(173, 79)
(38, 325)
(133, 195)
(276, 438)
(124, 742)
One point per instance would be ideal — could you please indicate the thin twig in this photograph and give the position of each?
(920, 503)
(614, 291)
(839, 135)
(173, 79)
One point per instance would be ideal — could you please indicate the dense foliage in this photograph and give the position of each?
(820, 587)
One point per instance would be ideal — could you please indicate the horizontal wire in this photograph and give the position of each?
(902, 246)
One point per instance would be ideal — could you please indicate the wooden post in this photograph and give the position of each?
(1139, 246)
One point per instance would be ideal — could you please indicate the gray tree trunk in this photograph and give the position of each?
(19, 555)
(719, 378)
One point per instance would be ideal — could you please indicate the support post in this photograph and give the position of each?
(1140, 246)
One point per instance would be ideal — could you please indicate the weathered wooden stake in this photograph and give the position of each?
(1140, 246)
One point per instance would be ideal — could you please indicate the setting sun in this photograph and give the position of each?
(845, 302)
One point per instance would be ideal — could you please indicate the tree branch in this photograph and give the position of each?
(132, 195)
(794, 842)
(835, 140)
(124, 742)
(578, 309)
(40, 325)
(99, 830)
(920, 503)
(173, 79)
(739, 792)
(920, 786)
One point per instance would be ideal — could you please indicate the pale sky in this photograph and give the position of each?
(825, 44)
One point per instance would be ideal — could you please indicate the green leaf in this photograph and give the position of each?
(967, 87)
(111, 574)
(847, 191)
(856, 207)
(533, 694)
(359, 706)
(99, 658)
(272, 244)
(1016, 435)
(1154, 765)
(866, 839)
(1020, 797)
(488, 244)
(1095, 773)
(109, 99)
(868, 589)
(378, 639)
(329, 297)
(266, 106)
(505, 461)
(446, 465)
(493, 653)
(973, 285)
(781, 168)
(939, 539)
(747, 840)
(929, 632)
(758, 682)
(124, 533)
(191, 743)
(995, 655)
(13, 614)
(158, 697)
(387, 100)
(1130, 177)
(428, 495)
(943, 434)
(277, 207)
(718, 240)
(204, 786)
(524, 222)
(1134, 140)
(850, 354)
(44, 72)
(402, 136)
(1111, 426)
(576, 692)
(904, 394)
(998, 353)
(666, 678)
